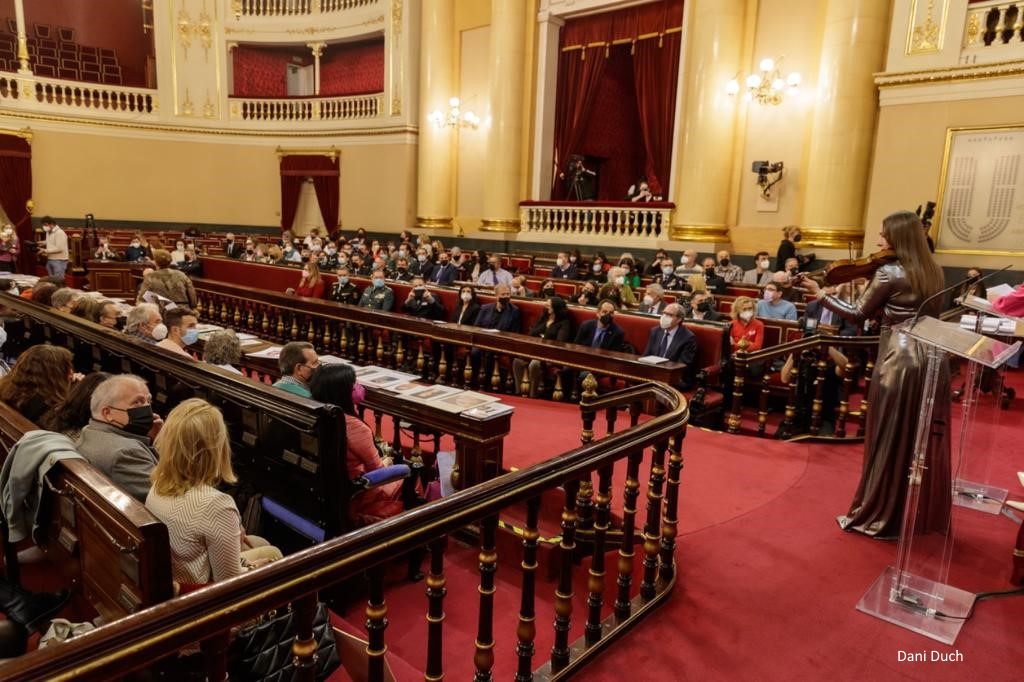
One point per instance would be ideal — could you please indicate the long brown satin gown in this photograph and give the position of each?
(894, 402)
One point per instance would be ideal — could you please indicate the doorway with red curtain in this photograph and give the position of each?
(323, 170)
(16, 191)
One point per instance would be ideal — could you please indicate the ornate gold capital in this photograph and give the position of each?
(699, 233)
(433, 223)
(499, 225)
(832, 237)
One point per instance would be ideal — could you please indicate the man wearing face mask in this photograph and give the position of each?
(701, 308)
(232, 249)
(772, 306)
(421, 303)
(494, 274)
(563, 268)
(119, 434)
(726, 269)
(291, 254)
(421, 266)
(344, 291)
(653, 302)
(182, 330)
(297, 362)
(674, 342)
(144, 322)
(135, 251)
(378, 296)
(55, 247)
(602, 332)
(762, 272)
(329, 257)
(502, 315)
(714, 282)
(445, 274)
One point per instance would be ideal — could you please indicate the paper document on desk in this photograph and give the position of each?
(271, 353)
(333, 360)
(652, 359)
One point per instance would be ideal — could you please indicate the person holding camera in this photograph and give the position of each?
(641, 191)
(421, 303)
(579, 180)
(9, 248)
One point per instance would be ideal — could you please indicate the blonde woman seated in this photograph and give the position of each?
(208, 544)
(746, 332)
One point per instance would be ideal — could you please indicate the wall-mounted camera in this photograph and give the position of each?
(764, 170)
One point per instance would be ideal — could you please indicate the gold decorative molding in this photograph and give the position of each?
(499, 225)
(332, 153)
(433, 223)
(186, 105)
(832, 237)
(927, 36)
(699, 233)
(204, 30)
(24, 133)
(397, 65)
(208, 109)
(951, 74)
(308, 31)
(184, 31)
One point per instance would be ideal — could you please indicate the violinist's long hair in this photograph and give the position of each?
(905, 233)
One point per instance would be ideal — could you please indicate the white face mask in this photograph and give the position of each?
(467, 297)
(667, 270)
(747, 315)
(648, 300)
(560, 262)
(764, 264)
(665, 321)
(596, 267)
(159, 332)
(620, 280)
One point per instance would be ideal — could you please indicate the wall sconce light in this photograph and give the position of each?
(768, 86)
(455, 118)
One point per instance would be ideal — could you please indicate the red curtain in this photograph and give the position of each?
(654, 70)
(324, 172)
(16, 190)
(579, 73)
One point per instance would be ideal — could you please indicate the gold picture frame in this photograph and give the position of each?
(980, 205)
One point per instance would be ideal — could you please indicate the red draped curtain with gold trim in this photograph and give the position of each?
(324, 171)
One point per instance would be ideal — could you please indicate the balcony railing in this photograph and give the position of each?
(293, 8)
(570, 221)
(995, 26)
(90, 96)
(319, 109)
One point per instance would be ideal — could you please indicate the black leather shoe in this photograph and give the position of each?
(34, 610)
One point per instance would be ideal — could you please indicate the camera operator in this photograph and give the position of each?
(641, 191)
(579, 180)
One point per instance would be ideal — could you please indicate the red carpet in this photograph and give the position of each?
(768, 583)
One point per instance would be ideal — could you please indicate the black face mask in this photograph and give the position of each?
(709, 272)
(972, 279)
(494, 266)
(704, 306)
(794, 271)
(796, 238)
(503, 300)
(402, 270)
(140, 419)
(724, 262)
(548, 292)
(605, 319)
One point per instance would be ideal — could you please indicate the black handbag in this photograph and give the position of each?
(263, 651)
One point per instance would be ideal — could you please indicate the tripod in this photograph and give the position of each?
(576, 187)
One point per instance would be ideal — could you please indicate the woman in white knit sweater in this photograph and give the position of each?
(207, 541)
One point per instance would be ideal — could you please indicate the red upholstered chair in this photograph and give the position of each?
(66, 35)
(111, 74)
(43, 31)
(12, 26)
(108, 56)
(91, 73)
(93, 52)
(46, 70)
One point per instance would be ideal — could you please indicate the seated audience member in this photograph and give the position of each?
(104, 252)
(191, 266)
(117, 438)
(344, 291)
(178, 255)
(588, 294)
(773, 307)
(654, 268)
(144, 322)
(641, 191)
(182, 330)
(298, 362)
(401, 271)
(502, 315)
(135, 252)
(494, 274)
(422, 303)
(311, 284)
(106, 313)
(653, 302)
(702, 308)
(233, 249)
(762, 272)
(728, 270)
(275, 256)
(222, 349)
(602, 332)
(563, 268)
(468, 308)
(444, 273)
(250, 254)
(289, 254)
(555, 325)
(311, 238)
(43, 293)
(689, 264)
(421, 266)
(64, 298)
(784, 281)
(596, 272)
(39, 381)
(518, 287)
(9, 248)
(792, 266)
(630, 270)
(328, 259)
(617, 289)
(816, 314)
(165, 281)
(547, 289)
(71, 416)
(712, 280)
(974, 285)
(204, 527)
(360, 265)
(673, 341)
(378, 296)
(85, 307)
(667, 278)
(336, 385)
(747, 332)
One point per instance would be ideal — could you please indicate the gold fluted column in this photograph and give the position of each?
(506, 57)
(853, 48)
(19, 17)
(704, 155)
(434, 159)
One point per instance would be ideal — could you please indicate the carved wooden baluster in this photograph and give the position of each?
(422, 367)
(563, 593)
(630, 493)
(819, 395)
(523, 388)
(250, 320)
(380, 349)
(670, 521)
(236, 319)
(211, 311)
(467, 371)
(279, 327)
(484, 658)
(399, 341)
(265, 324)
(585, 504)
(305, 645)
(442, 362)
(735, 417)
(652, 528)
(224, 311)
(557, 393)
(527, 630)
(762, 404)
(294, 331)
(362, 345)
(436, 591)
(869, 369)
(587, 413)
(326, 338)
(595, 584)
(635, 410)
(215, 656)
(786, 428)
(510, 380)
(376, 622)
(844, 400)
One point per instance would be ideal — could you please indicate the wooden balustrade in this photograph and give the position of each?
(131, 644)
(640, 224)
(292, 110)
(294, 8)
(994, 24)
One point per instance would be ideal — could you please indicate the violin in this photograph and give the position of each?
(846, 270)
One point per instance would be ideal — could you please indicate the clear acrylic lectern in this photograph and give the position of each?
(914, 593)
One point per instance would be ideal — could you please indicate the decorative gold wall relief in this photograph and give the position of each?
(184, 31)
(204, 31)
(396, 49)
(926, 34)
(186, 105)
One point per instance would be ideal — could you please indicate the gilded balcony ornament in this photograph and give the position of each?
(972, 34)
(204, 31)
(209, 111)
(184, 31)
(187, 107)
(926, 37)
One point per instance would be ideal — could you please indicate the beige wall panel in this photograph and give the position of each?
(472, 14)
(378, 187)
(473, 90)
(908, 158)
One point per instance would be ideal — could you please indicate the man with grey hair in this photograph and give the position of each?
(65, 298)
(297, 361)
(654, 300)
(144, 322)
(689, 264)
(223, 349)
(117, 440)
(674, 342)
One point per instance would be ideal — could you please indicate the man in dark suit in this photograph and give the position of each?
(232, 249)
(421, 303)
(715, 283)
(601, 332)
(501, 315)
(563, 268)
(701, 308)
(674, 342)
(816, 314)
(445, 273)
(421, 266)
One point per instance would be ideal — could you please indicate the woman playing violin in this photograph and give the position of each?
(896, 291)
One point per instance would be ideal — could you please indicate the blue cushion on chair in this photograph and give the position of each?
(381, 476)
(293, 520)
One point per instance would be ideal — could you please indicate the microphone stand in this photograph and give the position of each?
(941, 292)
